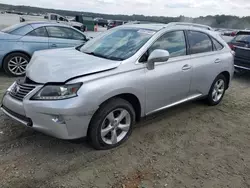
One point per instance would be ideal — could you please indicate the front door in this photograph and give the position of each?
(63, 37)
(36, 40)
(170, 81)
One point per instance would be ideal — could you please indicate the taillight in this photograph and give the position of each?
(231, 46)
(233, 34)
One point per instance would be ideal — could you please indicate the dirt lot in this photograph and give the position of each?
(191, 145)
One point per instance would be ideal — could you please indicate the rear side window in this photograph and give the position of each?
(39, 32)
(53, 17)
(21, 30)
(199, 42)
(218, 46)
(173, 42)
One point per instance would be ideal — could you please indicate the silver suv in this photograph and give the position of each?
(101, 89)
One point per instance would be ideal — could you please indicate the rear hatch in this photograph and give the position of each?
(241, 45)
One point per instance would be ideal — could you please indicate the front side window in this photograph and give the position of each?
(39, 32)
(118, 44)
(64, 32)
(199, 42)
(173, 42)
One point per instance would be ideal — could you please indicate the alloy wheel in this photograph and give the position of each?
(218, 90)
(17, 65)
(115, 126)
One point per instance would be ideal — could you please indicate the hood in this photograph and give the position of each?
(6, 36)
(59, 65)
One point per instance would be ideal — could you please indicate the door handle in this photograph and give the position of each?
(217, 61)
(53, 45)
(186, 67)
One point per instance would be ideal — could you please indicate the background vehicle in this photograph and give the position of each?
(54, 18)
(19, 42)
(155, 66)
(241, 45)
(102, 22)
(114, 23)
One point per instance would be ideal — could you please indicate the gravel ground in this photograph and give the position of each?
(191, 145)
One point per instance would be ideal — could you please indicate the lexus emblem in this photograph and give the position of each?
(16, 89)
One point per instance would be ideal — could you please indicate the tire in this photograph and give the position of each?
(101, 123)
(212, 100)
(20, 59)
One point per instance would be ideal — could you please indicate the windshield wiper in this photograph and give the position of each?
(95, 54)
(103, 56)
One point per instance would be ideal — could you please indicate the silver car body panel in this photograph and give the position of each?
(178, 80)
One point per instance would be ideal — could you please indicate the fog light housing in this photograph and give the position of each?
(58, 119)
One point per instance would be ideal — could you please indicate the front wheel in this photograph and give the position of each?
(217, 90)
(112, 124)
(15, 64)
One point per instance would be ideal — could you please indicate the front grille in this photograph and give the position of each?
(20, 90)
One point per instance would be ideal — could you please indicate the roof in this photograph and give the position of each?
(155, 27)
(179, 25)
(44, 23)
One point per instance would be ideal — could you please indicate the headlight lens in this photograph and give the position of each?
(57, 92)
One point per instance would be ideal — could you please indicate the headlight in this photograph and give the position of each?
(57, 92)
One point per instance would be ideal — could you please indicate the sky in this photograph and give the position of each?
(189, 8)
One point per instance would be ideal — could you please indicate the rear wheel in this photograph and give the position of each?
(112, 124)
(15, 64)
(217, 90)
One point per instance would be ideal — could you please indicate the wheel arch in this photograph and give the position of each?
(227, 76)
(132, 98)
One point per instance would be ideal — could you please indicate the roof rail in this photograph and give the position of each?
(192, 24)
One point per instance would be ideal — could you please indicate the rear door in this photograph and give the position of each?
(36, 40)
(208, 60)
(63, 37)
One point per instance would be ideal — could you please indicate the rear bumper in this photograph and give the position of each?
(242, 64)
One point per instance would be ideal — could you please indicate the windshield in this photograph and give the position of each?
(242, 38)
(119, 44)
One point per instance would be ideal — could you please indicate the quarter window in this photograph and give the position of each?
(173, 42)
(199, 42)
(218, 46)
(64, 32)
(39, 32)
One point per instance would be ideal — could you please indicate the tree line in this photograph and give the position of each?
(218, 21)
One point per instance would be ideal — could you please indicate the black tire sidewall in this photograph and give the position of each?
(210, 100)
(8, 58)
(98, 118)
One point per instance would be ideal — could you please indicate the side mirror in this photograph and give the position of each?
(157, 56)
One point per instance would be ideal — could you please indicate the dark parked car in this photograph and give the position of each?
(241, 45)
(101, 22)
(114, 24)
